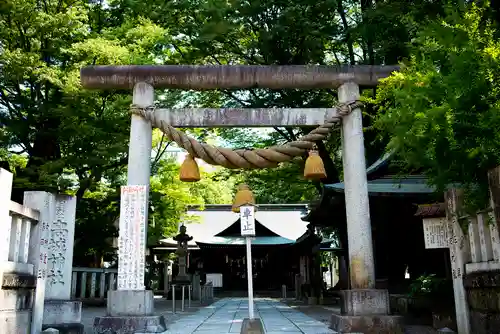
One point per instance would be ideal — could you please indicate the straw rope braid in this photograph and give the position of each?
(244, 158)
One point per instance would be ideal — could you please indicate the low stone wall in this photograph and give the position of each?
(15, 302)
(483, 296)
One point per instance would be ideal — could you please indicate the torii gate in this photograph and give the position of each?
(364, 308)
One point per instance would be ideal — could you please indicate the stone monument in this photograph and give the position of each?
(60, 312)
(182, 252)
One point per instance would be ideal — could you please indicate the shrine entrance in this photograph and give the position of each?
(131, 298)
(225, 254)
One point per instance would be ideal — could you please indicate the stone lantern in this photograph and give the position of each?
(182, 252)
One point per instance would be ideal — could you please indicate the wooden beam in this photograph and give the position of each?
(245, 117)
(232, 77)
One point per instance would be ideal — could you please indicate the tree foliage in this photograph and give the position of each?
(441, 112)
(438, 113)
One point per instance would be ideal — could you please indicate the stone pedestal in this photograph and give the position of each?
(63, 315)
(196, 287)
(366, 311)
(367, 324)
(130, 311)
(182, 277)
(252, 326)
(364, 302)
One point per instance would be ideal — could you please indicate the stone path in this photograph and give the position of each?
(226, 316)
(162, 306)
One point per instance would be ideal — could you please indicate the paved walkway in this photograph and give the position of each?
(226, 316)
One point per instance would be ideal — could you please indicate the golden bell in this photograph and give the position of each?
(314, 168)
(243, 196)
(189, 171)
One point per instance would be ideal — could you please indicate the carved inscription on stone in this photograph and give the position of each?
(44, 245)
(57, 246)
(456, 242)
(18, 281)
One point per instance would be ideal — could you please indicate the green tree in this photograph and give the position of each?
(441, 112)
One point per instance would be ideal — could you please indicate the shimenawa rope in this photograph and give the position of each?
(244, 158)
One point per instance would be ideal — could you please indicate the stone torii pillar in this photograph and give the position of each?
(364, 309)
(130, 308)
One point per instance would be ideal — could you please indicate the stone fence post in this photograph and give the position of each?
(459, 254)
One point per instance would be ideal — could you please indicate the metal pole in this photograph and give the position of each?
(183, 294)
(250, 277)
(173, 298)
(189, 295)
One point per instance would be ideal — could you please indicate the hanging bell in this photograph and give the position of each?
(314, 168)
(189, 171)
(243, 196)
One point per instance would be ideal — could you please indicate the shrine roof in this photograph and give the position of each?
(381, 162)
(283, 220)
(393, 185)
(240, 241)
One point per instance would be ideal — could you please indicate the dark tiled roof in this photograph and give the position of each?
(414, 184)
(240, 241)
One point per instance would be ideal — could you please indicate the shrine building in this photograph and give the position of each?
(218, 249)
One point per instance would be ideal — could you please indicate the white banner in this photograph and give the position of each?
(132, 238)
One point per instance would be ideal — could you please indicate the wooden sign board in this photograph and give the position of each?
(435, 233)
(247, 219)
(132, 238)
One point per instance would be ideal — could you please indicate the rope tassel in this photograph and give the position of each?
(243, 196)
(189, 171)
(314, 168)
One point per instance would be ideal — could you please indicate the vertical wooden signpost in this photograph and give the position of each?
(247, 219)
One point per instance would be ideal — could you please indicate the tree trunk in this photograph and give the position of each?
(45, 149)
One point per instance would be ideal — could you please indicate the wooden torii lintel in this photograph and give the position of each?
(232, 76)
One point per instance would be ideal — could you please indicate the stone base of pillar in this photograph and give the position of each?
(364, 302)
(130, 324)
(252, 326)
(66, 328)
(128, 312)
(366, 311)
(367, 324)
(15, 321)
(185, 280)
(63, 315)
